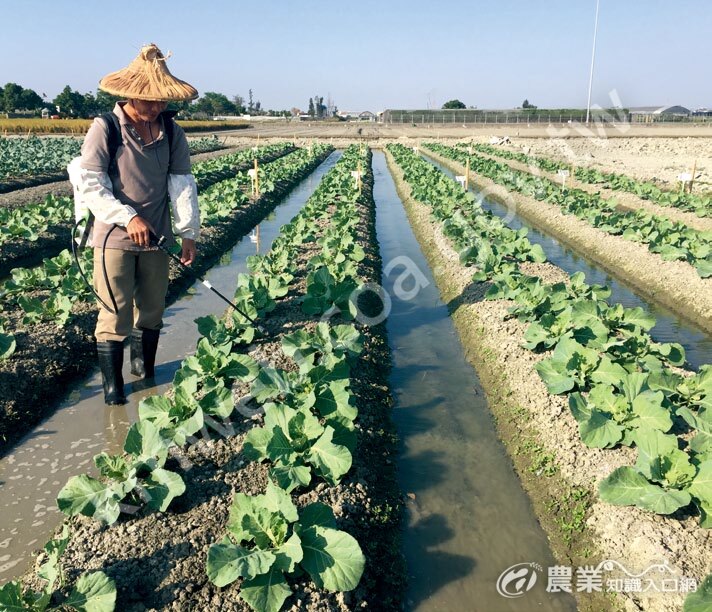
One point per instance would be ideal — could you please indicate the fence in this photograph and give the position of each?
(474, 116)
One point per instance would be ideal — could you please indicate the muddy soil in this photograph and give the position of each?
(525, 413)
(158, 560)
(647, 159)
(48, 358)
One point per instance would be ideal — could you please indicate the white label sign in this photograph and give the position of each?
(685, 177)
(251, 173)
(460, 179)
(564, 173)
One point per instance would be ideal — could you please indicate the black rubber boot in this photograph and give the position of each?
(111, 358)
(144, 343)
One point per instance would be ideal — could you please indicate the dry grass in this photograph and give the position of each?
(80, 126)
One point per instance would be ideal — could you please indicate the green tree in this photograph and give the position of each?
(454, 104)
(239, 103)
(526, 104)
(30, 100)
(213, 103)
(180, 106)
(311, 111)
(15, 97)
(90, 107)
(70, 102)
(10, 98)
(105, 102)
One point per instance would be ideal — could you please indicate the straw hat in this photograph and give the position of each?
(148, 78)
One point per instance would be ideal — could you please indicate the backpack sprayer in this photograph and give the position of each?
(157, 241)
(82, 212)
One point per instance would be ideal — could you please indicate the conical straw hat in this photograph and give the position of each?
(147, 78)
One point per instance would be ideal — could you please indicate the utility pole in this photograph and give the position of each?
(593, 59)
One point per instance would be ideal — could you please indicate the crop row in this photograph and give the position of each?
(623, 388)
(308, 427)
(34, 155)
(30, 156)
(211, 171)
(701, 205)
(671, 240)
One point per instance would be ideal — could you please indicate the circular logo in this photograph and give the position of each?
(517, 580)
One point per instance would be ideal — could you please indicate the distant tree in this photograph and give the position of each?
(258, 107)
(319, 107)
(105, 102)
(250, 104)
(526, 104)
(15, 97)
(295, 112)
(454, 104)
(30, 100)
(239, 103)
(89, 107)
(212, 103)
(181, 106)
(70, 102)
(10, 97)
(311, 112)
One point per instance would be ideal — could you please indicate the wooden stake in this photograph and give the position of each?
(467, 174)
(692, 176)
(257, 181)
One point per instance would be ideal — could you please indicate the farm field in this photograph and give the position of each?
(434, 383)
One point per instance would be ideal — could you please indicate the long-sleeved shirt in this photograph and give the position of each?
(142, 181)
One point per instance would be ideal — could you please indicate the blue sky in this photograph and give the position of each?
(375, 54)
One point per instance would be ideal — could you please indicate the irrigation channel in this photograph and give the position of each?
(458, 477)
(32, 474)
(669, 327)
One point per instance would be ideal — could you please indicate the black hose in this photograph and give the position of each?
(106, 275)
(75, 253)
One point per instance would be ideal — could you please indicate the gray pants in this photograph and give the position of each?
(139, 282)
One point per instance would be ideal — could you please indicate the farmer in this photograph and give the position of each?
(128, 188)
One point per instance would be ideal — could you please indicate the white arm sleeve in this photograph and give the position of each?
(184, 203)
(93, 190)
